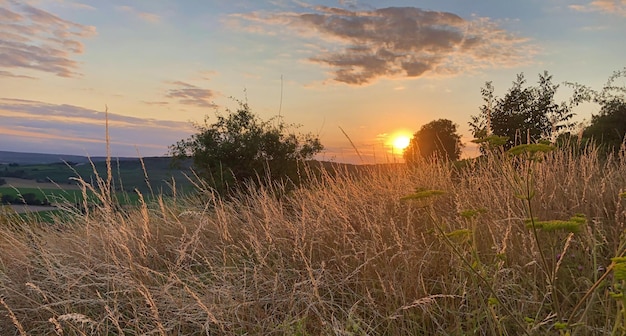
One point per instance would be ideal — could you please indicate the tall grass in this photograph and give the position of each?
(345, 255)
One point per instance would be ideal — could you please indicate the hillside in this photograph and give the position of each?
(128, 173)
(7, 157)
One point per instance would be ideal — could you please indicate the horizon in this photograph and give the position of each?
(376, 71)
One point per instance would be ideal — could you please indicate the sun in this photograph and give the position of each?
(401, 141)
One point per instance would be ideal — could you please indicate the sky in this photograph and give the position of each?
(369, 69)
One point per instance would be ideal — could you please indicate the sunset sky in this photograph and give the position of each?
(373, 68)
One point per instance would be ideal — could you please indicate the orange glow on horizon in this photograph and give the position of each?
(401, 142)
(398, 141)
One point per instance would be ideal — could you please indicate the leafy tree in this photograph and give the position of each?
(240, 147)
(438, 138)
(7, 199)
(525, 114)
(31, 199)
(608, 127)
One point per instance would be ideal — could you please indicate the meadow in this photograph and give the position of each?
(525, 244)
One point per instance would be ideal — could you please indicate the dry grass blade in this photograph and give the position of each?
(342, 255)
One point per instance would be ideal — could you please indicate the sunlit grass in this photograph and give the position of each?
(391, 250)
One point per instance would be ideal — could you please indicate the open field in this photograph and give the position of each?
(14, 182)
(20, 209)
(148, 175)
(347, 255)
(59, 194)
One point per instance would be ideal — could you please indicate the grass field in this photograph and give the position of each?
(508, 245)
(61, 193)
(148, 175)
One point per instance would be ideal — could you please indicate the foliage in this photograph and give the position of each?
(2, 181)
(524, 115)
(438, 138)
(7, 199)
(240, 147)
(608, 127)
(31, 199)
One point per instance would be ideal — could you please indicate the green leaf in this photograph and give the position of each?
(423, 194)
(531, 149)
(492, 301)
(572, 225)
(467, 214)
(619, 271)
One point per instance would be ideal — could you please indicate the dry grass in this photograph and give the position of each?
(342, 256)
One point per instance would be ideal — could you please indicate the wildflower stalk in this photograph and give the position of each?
(591, 290)
(550, 275)
(423, 194)
(472, 269)
(532, 153)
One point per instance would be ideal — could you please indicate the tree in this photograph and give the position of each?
(7, 199)
(438, 138)
(240, 147)
(31, 199)
(524, 115)
(608, 127)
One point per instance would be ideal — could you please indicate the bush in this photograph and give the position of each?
(8, 199)
(240, 147)
(31, 199)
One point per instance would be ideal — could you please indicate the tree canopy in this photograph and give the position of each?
(524, 115)
(239, 147)
(438, 138)
(608, 127)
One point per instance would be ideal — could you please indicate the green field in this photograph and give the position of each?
(52, 195)
(68, 195)
(155, 175)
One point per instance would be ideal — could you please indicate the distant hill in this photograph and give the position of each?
(128, 173)
(7, 157)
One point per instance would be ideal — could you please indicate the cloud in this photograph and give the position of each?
(617, 7)
(12, 75)
(33, 39)
(144, 16)
(74, 129)
(360, 46)
(189, 94)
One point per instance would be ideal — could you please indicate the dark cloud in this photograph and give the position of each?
(362, 46)
(68, 128)
(189, 94)
(33, 39)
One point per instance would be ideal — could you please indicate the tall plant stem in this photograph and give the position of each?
(476, 273)
(549, 275)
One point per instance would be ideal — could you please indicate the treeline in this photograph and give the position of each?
(26, 198)
(529, 114)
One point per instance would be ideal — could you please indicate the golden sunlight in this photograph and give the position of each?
(400, 141)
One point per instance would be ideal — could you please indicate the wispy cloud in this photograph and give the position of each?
(12, 75)
(189, 94)
(34, 39)
(76, 129)
(144, 16)
(360, 46)
(616, 7)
